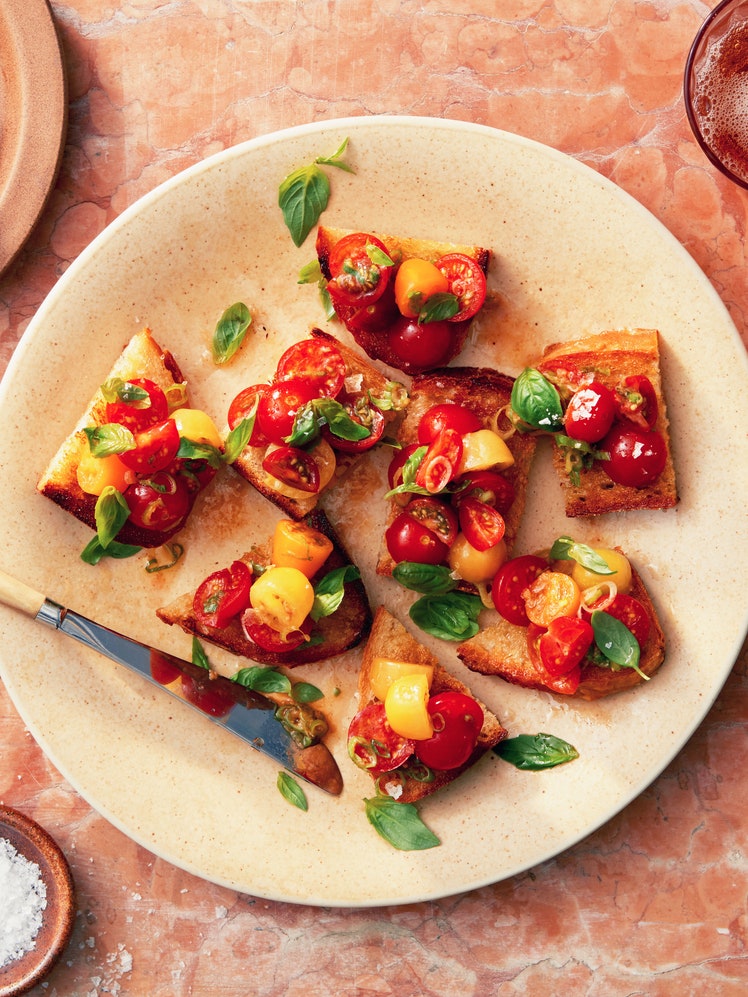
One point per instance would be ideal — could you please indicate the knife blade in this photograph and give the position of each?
(247, 714)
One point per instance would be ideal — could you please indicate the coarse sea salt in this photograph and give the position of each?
(23, 898)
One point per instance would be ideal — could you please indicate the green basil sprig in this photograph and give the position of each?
(291, 791)
(324, 411)
(230, 331)
(330, 590)
(304, 194)
(190, 450)
(451, 616)
(399, 824)
(93, 552)
(117, 390)
(260, 679)
(536, 751)
(566, 549)
(536, 401)
(409, 471)
(109, 438)
(428, 579)
(199, 657)
(616, 642)
(438, 307)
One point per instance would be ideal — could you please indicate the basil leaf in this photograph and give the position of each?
(239, 436)
(536, 751)
(399, 824)
(111, 438)
(199, 657)
(111, 513)
(230, 332)
(452, 616)
(409, 471)
(290, 790)
(310, 273)
(536, 401)
(93, 552)
(261, 679)
(302, 198)
(566, 549)
(190, 450)
(616, 641)
(176, 550)
(329, 591)
(117, 390)
(439, 307)
(339, 421)
(305, 692)
(429, 579)
(335, 159)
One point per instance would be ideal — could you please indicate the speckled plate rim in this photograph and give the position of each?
(421, 881)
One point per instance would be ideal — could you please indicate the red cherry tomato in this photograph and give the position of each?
(510, 581)
(159, 502)
(279, 405)
(316, 361)
(155, 448)
(637, 401)
(246, 402)
(210, 700)
(630, 611)
(565, 685)
(365, 414)
(564, 644)
(490, 487)
(373, 745)
(590, 413)
(447, 415)
(440, 461)
(356, 277)
(467, 281)
(294, 467)
(222, 595)
(637, 456)
(270, 640)
(139, 413)
(435, 514)
(419, 346)
(409, 540)
(482, 525)
(457, 720)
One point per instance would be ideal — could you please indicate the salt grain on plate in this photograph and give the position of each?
(23, 897)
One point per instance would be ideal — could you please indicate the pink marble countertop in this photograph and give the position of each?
(655, 902)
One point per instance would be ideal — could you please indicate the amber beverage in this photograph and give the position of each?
(716, 88)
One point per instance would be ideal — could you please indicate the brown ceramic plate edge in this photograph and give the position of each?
(36, 845)
(33, 119)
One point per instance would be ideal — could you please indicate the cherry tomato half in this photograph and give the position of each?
(490, 487)
(270, 640)
(637, 456)
(590, 413)
(439, 517)
(419, 346)
(467, 281)
(356, 277)
(551, 594)
(246, 402)
(457, 720)
(564, 644)
(447, 415)
(138, 414)
(482, 525)
(637, 401)
(294, 467)
(566, 684)
(159, 502)
(278, 406)
(440, 462)
(222, 595)
(315, 361)
(409, 540)
(365, 414)
(373, 745)
(155, 448)
(510, 581)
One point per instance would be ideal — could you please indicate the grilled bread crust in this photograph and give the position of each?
(141, 357)
(486, 392)
(501, 649)
(390, 639)
(249, 462)
(614, 355)
(342, 630)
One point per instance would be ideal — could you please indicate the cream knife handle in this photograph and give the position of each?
(18, 595)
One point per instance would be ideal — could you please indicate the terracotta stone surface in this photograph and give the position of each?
(655, 902)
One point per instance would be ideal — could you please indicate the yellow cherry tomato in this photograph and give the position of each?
(473, 565)
(283, 598)
(97, 473)
(384, 672)
(296, 545)
(324, 457)
(415, 282)
(552, 594)
(197, 426)
(484, 449)
(406, 707)
(616, 561)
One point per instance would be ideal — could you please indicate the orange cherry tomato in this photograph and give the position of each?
(552, 594)
(415, 282)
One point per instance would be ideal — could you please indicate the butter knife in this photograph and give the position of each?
(252, 717)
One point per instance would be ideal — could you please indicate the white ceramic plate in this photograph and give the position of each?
(572, 254)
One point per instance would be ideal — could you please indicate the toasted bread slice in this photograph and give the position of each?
(486, 392)
(374, 341)
(501, 649)
(293, 502)
(141, 357)
(332, 635)
(613, 356)
(390, 639)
